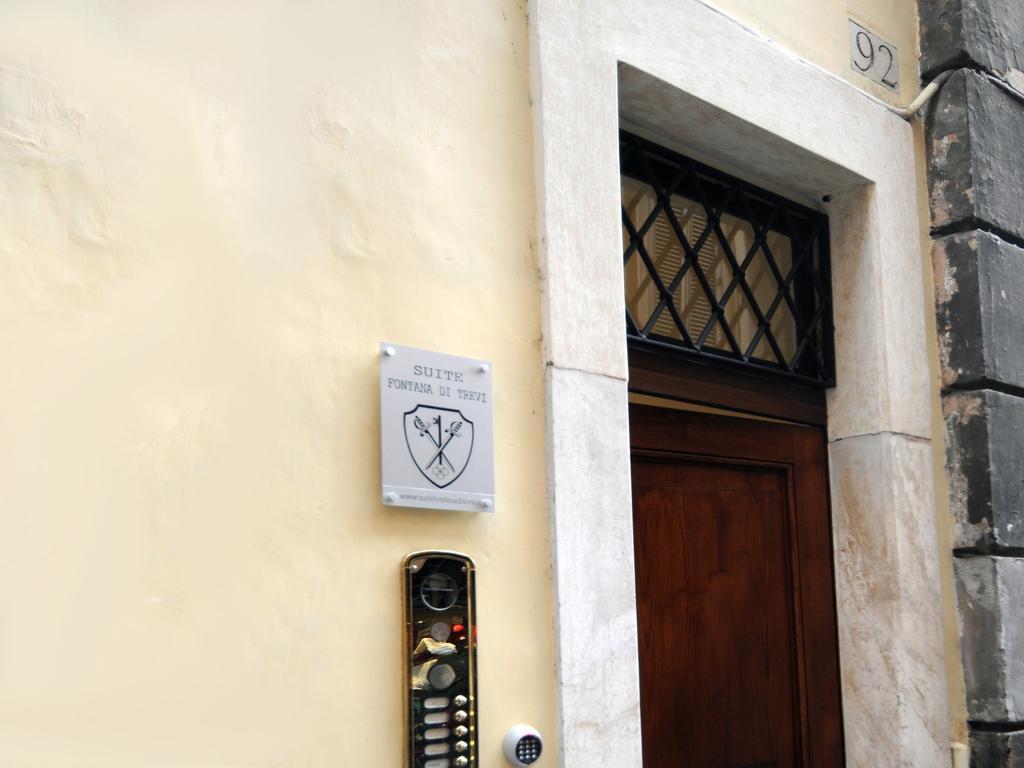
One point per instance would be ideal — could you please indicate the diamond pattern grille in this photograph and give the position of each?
(719, 268)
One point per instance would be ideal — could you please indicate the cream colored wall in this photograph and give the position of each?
(818, 30)
(210, 213)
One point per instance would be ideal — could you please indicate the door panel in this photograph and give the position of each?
(735, 610)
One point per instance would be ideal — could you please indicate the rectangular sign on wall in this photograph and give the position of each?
(436, 433)
(873, 57)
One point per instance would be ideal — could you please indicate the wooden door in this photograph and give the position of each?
(735, 604)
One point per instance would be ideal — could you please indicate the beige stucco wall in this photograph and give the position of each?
(210, 214)
(818, 31)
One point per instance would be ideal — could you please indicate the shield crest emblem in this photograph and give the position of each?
(440, 442)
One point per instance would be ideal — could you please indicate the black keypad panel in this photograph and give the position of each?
(441, 648)
(528, 750)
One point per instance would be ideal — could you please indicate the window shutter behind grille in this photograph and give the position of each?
(699, 308)
(690, 298)
(668, 260)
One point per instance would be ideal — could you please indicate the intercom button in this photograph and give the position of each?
(460, 701)
(436, 702)
(461, 762)
(461, 716)
(441, 762)
(461, 731)
(461, 746)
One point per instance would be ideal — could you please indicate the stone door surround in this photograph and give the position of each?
(684, 75)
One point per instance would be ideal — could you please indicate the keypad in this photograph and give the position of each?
(528, 750)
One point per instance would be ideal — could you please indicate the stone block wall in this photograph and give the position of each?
(975, 140)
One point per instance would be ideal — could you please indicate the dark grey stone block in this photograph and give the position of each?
(989, 33)
(975, 163)
(990, 592)
(985, 459)
(997, 750)
(979, 282)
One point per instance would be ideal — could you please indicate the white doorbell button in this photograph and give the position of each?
(522, 745)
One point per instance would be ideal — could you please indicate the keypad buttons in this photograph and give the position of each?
(528, 750)
(522, 745)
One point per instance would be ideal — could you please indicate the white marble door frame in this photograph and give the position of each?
(688, 76)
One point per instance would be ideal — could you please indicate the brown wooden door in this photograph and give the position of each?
(735, 606)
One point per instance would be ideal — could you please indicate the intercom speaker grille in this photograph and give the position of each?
(441, 632)
(441, 677)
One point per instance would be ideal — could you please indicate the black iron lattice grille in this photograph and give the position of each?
(720, 268)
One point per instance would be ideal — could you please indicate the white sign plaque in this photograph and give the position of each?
(436, 430)
(874, 57)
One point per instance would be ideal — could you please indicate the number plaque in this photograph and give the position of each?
(873, 57)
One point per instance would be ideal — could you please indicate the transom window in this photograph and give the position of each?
(719, 268)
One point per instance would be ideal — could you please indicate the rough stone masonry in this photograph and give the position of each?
(975, 138)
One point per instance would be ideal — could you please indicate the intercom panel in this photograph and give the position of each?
(440, 660)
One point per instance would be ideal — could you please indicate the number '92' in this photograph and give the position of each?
(873, 57)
